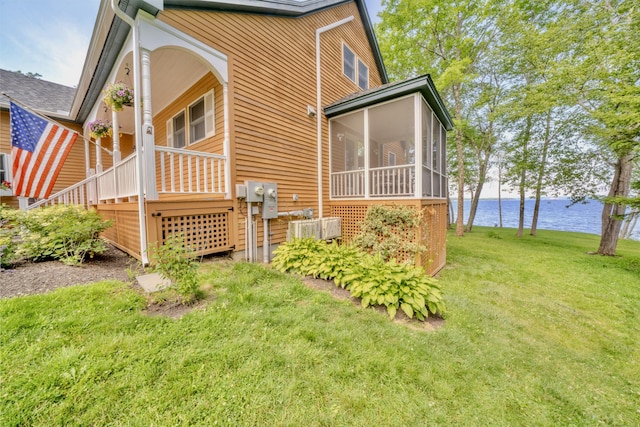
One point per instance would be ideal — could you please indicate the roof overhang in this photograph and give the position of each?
(110, 35)
(422, 84)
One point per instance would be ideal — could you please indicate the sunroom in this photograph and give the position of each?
(389, 143)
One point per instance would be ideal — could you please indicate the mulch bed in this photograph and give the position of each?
(27, 278)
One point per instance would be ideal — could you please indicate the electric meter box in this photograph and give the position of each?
(270, 201)
(255, 191)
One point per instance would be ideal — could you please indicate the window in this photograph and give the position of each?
(194, 124)
(360, 74)
(176, 131)
(3, 168)
(196, 121)
(363, 75)
(349, 63)
(392, 159)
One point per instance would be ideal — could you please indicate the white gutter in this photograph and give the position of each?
(138, 126)
(319, 102)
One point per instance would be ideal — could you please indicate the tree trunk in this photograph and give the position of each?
(541, 171)
(482, 176)
(460, 158)
(612, 214)
(523, 175)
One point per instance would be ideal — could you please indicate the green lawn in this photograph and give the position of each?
(538, 332)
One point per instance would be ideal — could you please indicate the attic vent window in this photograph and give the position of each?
(349, 63)
(363, 75)
(354, 68)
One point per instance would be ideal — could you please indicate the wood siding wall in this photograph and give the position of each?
(272, 80)
(73, 169)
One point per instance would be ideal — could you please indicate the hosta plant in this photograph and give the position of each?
(368, 277)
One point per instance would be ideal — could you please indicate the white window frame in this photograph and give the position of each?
(391, 159)
(353, 78)
(365, 84)
(170, 130)
(209, 117)
(5, 163)
(209, 121)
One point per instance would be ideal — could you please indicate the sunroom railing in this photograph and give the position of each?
(388, 181)
(347, 184)
(392, 181)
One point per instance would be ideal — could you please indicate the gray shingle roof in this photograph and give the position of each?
(46, 97)
(422, 84)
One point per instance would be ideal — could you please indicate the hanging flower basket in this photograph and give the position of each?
(100, 128)
(5, 185)
(117, 95)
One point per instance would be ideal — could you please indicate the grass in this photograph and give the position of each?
(538, 333)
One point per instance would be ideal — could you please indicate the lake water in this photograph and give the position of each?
(555, 214)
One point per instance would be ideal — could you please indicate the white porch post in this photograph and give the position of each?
(87, 158)
(98, 155)
(227, 163)
(367, 157)
(148, 138)
(417, 145)
(117, 154)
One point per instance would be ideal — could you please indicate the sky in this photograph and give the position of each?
(51, 37)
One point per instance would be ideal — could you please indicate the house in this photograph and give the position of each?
(249, 111)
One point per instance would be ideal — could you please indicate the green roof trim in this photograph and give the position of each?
(422, 84)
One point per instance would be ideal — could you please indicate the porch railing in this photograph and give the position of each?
(83, 193)
(186, 171)
(179, 171)
(347, 184)
(119, 181)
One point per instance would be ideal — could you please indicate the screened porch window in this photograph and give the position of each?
(374, 152)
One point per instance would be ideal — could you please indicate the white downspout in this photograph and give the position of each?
(138, 127)
(319, 102)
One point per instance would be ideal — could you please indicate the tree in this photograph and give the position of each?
(447, 39)
(605, 65)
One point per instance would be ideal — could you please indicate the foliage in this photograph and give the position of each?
(8, 235)
(117, 95)
(5, 185)
(100, 128)
(368, 277)
(62, 232)
(390, 231)
(177, 263)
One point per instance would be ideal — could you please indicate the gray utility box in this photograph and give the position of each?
(270, 201)
(255, 191)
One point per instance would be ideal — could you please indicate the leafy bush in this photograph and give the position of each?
(8, 234)
(62, 232)
(369, 277)
(175, 262)
(390, 231)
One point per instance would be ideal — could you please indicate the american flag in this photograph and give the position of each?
(40, 147)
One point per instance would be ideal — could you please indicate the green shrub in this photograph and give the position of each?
(176, 262)
(62, 232)
(390, 231)
(368, 277)
(8, 234)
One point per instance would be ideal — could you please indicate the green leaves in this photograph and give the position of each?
(62, 232)
(176, 262)
(367, 277)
